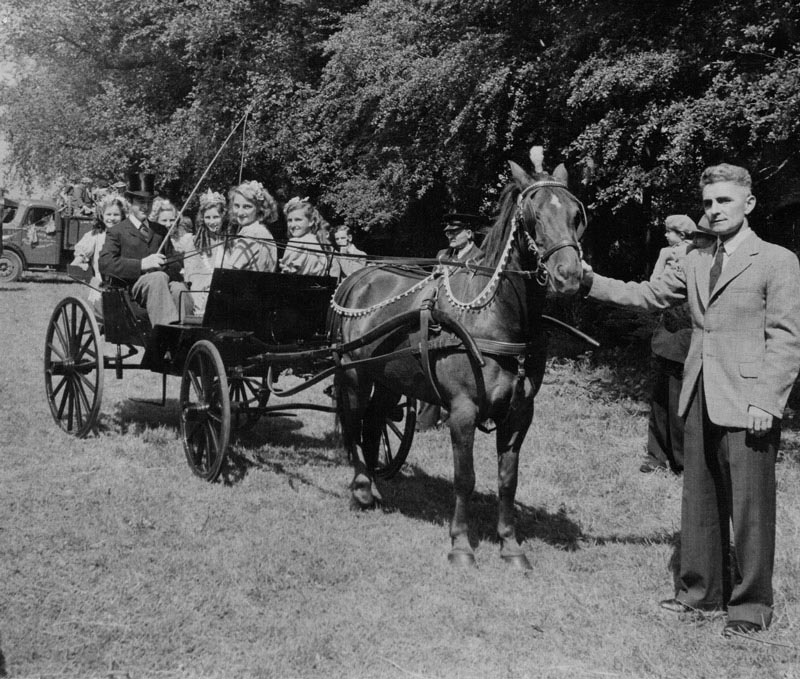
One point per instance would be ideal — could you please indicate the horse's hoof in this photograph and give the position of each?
(518, 561)
(461, 559)
(360, 501)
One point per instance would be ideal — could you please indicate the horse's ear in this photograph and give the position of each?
(561, 174)
(520, 176)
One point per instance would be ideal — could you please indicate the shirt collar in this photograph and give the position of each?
(735, 241)
(135, 220)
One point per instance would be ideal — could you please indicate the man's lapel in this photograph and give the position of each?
(739, 261)
(702, 274)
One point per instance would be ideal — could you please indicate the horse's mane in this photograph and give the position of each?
(498, 235)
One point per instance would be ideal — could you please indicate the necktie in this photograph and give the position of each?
(716, 268)
(145, 231)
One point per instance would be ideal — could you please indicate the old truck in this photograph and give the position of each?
(36, 236)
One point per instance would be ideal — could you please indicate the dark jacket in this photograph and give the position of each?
(449, 253)
(126, 247)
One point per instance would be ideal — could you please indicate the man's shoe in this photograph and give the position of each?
(705, 612)
(649, 466)
(675, 606)
(734, 627)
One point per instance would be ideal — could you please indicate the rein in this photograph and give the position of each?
(540, 274)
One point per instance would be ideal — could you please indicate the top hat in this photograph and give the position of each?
(459, 220)
(141, 185)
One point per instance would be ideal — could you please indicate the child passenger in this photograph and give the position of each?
(304, 252)
(199, 265)
(111, 210)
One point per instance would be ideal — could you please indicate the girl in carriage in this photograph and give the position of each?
(305, 252)
(206, 254)
(111, 210)
(251, 206)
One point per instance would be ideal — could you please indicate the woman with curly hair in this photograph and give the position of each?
(308, 231)
(111, 210)
(252, 207)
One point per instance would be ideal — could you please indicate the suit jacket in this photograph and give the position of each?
(745, 335)
(125, 248)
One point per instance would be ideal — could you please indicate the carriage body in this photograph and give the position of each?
(255, 325)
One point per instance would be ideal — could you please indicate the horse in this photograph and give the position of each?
(476, 345)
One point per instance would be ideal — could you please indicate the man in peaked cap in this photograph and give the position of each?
(460, 230)
(669, 345)
(131, 257)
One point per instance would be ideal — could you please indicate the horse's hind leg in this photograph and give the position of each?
(510, 435)
(351, 403)
(380, 405)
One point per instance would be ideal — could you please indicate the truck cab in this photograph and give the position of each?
(37, 236)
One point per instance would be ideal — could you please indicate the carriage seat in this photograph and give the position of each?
(124, 320)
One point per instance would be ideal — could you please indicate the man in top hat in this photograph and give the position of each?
(743, 359)
(460, 230)
(131, 257)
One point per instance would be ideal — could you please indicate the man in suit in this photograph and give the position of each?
(744, 355)
(131, 257)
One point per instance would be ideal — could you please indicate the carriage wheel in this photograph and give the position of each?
(73, 366)
(396, 437)
(248, 394)
(205, 410)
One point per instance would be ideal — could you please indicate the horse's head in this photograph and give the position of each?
(550, 222)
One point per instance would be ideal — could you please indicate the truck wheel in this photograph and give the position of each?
(10, 267)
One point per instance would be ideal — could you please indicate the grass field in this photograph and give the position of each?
(117, 562)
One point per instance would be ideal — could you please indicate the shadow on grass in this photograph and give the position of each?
(135, 416)
(430, 498)
(420, 496)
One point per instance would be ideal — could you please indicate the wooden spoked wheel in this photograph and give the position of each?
(205, 410)
(397, 434)
(248, 395)
(73, 367)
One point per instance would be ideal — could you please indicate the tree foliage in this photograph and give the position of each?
(391, 112)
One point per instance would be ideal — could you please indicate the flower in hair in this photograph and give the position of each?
(210, 198)
(257, 189)
(295, 203)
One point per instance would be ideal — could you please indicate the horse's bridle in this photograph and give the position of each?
(541, 271)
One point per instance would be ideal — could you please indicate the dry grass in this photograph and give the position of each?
(117, 562)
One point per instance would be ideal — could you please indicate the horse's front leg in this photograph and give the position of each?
(463, 416)
(510, 435)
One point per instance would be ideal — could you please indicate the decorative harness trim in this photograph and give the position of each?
(353, 313)
(486, 295)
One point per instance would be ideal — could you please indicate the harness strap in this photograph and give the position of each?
(424, 327)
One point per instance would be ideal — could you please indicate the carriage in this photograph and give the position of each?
(465, 335)
(255, 326)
